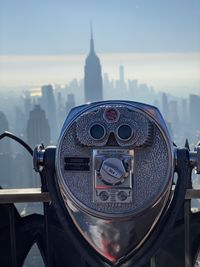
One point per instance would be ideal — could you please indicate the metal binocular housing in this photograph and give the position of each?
(113, 178)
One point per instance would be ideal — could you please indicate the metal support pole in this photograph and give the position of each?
(83, 262)
(46, 222)
(153, 261)
(47, 234)
(187, 232)
(12, 236)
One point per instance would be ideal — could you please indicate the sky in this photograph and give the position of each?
(158, 41)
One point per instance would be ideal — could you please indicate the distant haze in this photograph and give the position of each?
(173, 72)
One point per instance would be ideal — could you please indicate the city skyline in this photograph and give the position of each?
(46, 42)
(183, 76)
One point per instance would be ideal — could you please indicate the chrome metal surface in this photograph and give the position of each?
(115, 239)
(77, 150)
(115, 226)
(112, 172)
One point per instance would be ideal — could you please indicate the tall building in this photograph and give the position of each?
(38, 130)
(120, 85)
(27, 104)
(3, 127)
(70, 103)
(49, 105)
(20, 121)
(121, 74)
(107, 87)
(5, 143)
(184, 117)
(93, 78)
(165, 106)
(5, 155)
(174, 118)
(194, 111)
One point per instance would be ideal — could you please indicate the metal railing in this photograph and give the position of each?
(29, 195)
(11, 196)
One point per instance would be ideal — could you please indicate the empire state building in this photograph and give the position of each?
(93, 79)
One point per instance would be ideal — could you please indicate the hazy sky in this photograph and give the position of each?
(62, 26)
(123, 29)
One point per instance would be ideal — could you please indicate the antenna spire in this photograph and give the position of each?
(91, 38)
(91, 30)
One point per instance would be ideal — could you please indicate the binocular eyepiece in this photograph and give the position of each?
(114, 170)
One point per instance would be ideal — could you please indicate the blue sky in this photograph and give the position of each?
(62, 26)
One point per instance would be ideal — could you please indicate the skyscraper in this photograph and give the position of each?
(49, 105)
(4, 144)
(174, 118)
(70, 103)
(93, 78)
(5, 154)
(121, 74)
(38, 130)
(165, 106)
(120, 85)
(194, 109)
(27, 104)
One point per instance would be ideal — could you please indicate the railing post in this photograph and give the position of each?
(12, 236)
(187, 232)
(153, 261)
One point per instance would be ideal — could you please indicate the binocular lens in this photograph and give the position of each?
(97, 131)
(124, 132)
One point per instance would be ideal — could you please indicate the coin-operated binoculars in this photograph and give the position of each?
(112, 180)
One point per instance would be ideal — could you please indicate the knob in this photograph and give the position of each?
(195, 158)
(112, 171)
(38, 158)
(104, 195)
(197, 168)
(122, 195)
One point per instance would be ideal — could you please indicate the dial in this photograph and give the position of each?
(112, 171)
